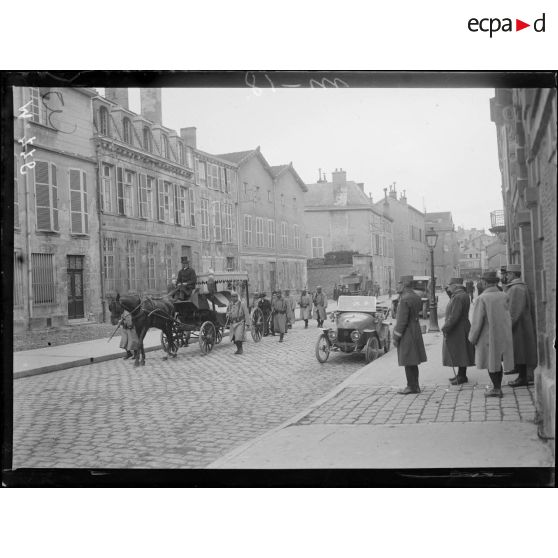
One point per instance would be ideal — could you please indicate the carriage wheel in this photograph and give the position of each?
(207, 337)
(257, 327)
(372, 349)
(219, 335)
(322, 348)
(169, 345)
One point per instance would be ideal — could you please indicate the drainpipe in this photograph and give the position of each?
(30, 298)
(100, 219)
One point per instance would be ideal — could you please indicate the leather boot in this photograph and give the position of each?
(415, 376)
(410, 388)
(496, 391)
(281, 337)
(128, 355)
(521, 380)
(461, 377)
(238, 348)
(305, 324)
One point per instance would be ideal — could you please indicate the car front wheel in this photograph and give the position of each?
(322, 349)
(372, 349)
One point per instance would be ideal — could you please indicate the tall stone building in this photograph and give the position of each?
(56, 225)
(159, 198)
(446, 252)
(341, 217)
(411, 255)
(271, 222)
(525, 122)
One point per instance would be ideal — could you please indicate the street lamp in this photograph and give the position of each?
(431, 239)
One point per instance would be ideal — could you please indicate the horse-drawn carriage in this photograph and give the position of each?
(204, 315)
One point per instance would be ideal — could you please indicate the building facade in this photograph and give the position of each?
(159, 198)
(56, 225)
(341, 217)
(411, 256)
(271, 222)
(525, 122)
(446, 251)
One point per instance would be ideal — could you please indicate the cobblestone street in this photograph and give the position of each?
(383, 405)
(179, 413)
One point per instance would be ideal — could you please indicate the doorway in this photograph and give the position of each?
(75, 287)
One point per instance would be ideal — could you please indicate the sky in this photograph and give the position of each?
(438, 145)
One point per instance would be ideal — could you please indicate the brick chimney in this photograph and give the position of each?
(339, 176)
(151, 105)
(118, 95)
(361, 185)
(189, 136)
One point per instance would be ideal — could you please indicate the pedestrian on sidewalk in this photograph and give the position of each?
(129, 340)
(491, 333)
(320, 304)
(457, 350)
(239, 318)
(407, 335)
(279, 306)
(470, 288)
(523, 325)
(305, 307)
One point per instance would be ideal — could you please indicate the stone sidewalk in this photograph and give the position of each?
(365, 423)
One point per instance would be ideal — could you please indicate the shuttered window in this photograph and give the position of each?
(181, 217)
(296, 235)
(44, 288)
(223, 179)
(46, 196)
(259, 232)
(38, 108)
(205, 219)
(107, 190)
(192, 207)
(317, 247)
(212, 176)
(227, 210)
(127, 130)
(217, 232)
(78, 202)
(18, 278)
(164, 201)
(132, 247)
(120, 199)
(271, 233)
(247, 230)
(109, 267)
(16, 193)
(151, 254)
(284, 237)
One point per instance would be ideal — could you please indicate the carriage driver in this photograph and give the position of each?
(185, 280)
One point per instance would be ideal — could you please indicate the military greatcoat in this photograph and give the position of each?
(305, 307)
(410, 350)
(491, 331)
(279, 307)
(523, 327)
(320, 305)
(457, 350)
(239, 319)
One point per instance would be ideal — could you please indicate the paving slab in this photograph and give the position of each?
(402, 446)
(61, 357)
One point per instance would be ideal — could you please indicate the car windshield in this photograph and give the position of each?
(356, 303)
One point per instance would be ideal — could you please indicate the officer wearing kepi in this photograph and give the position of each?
(407, 335)
(457, 350)
(185, 280)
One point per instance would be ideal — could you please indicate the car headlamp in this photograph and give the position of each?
(355, 336)
(332, 335)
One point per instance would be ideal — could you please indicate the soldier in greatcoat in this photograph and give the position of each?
(407, 335)
(291, 307)
(305, 304)
(491, 333)
(279, 307)
(239, 319)
(320, 304)
(265, 306)
(457, 350)
(523, 325)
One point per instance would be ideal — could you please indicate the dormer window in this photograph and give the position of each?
(164, 146)
(147, 143)
(180, 153)
(127, 130)
(103, 121)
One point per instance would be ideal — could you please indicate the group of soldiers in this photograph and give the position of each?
(500, 339)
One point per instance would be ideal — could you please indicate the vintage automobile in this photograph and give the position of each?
(359, 325)
(421, 286)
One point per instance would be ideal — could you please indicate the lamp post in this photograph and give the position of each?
(431, 239)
